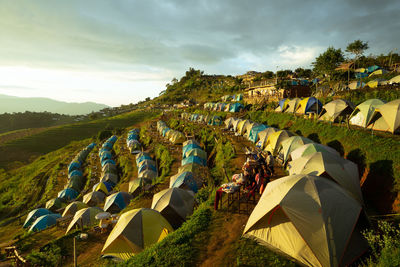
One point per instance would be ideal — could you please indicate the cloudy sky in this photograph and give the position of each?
(121, 51)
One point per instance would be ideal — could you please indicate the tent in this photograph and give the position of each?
(146, 162)
(104, 162)
(235, 124)
(75, 165)
(199, 172)
(253, 135)
(311, 148)
(135, 231)
(248, 127)
(196, 152)
(229, 122)
(331, 166)
(226, 98)
(336, 110)
(84, 218)
(75, 182)
(263, 136)
(94, 198)
(33, 215)
(138, 184)
(54, 204)
(375, 83)
(215, 120)
(191, 142)
(177, 137)
(147, 174)
(292, 105)
(360, 70)
(75, 173)
(242, 126)
(117, 202)
(363, 112)
(356, 85)
(283, 104)
(109, 177)
(175, 204)
(309, 104)
(372, 68)
(142, 156)
(73, 207)
(235, 107)
(147, 167)
(378, 72)
(194, 159)
(184, 180)
(288, 145)
(274, 140)
(109, 168)
(308, 219)
(239, 97)
(44, 222)
(395, 79)
(68, 194)
(386, 117)
(104, 187)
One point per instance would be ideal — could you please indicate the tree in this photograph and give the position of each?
(327, 62)
(147, 99)
(303, 73)
(357, 48)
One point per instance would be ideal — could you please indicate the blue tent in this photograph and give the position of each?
(75, 173)
(68, 194)
(147, 166)
(194, 117)
(105, 155)
(113, 139)
(143, 157)
(194, 159)
(189, 147)
(235, 107)
(108, 185)
(107, 145)
(186, 178)
(44, 222)
(73, 166)
(33, 215)
(215, 120)
(91, 146)
(117, 202)
(304, 82)
(255, 130)
(293, 82)
(102, 150)
(239, 97)
(360, 75)
(107, 161)
(165, 130)
(282, 102)
(312, 101)
(373, 68)
(133, 136)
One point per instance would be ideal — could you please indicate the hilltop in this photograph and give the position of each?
(11, 104)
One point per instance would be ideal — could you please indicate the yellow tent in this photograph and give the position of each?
(336, 108)
(386, 117)
(136, 230)
(177, 137)
(263, 136)
(190, 142)
(292, 105)
(290, 144)
(73, 207)
(373, 83)
(84, 217)
(242, 126)
(309, 219)
(378, 72)
(235, 124)
(274, 140)
(326, 164)
(229, 122)
(362, 114)
(248, 128)
(360, 70)
(395, 79)
(94, 198)
(308, 104)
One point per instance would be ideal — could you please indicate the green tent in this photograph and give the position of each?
(362, 114)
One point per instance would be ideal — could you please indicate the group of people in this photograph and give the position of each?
(257, 171)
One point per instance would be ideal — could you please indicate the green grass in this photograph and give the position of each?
(164, 159)
(23, 149)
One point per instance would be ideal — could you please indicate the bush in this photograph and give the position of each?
(51, 256)
(104, 134)
(165, 160)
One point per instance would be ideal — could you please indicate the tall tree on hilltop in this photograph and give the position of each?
(357, 48)
(327, 62)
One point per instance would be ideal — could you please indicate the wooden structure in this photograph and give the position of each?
(13, 255)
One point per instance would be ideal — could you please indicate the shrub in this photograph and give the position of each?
(104, 134)
(51, 256)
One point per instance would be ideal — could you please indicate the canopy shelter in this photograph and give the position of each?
(94, 198)
(73, 207)
(386, 117)
(33, 215)
(142, 156)
(309, 104)
(336, 110)
(253, 135)
(44, 222)
(362, 114)
(175, 204)
(196, 152)
(239, 97)
(194, 159)
(117, 202)
(104, 162)
(290, 144)
(199, 172)
(263, 136)
(311, 148)
(84, 218)
(135, 231)
(309, 219)
(68, 194)
(104, 187)
(275, 139)
(184, 180)
(138, 184)
(328, 165)
(54, 204)
(292, 105)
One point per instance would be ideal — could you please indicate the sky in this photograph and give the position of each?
(122, 51)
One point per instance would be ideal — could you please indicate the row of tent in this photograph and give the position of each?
(237, 97)
(175, 137)
(315, 215)
(200, 118)
(374, 83)
(374, 114)
(132, 141)
(42, 218)
(227, 107)
(147, 172)
(140, 228)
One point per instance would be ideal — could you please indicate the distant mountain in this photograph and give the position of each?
(11, 104)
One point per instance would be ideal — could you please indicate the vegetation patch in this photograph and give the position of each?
(164, 159)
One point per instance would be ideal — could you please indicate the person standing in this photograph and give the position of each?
(270, 162)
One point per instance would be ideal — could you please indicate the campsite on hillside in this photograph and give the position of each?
(200, 133)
